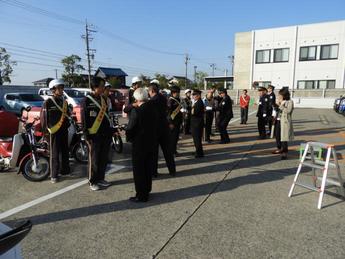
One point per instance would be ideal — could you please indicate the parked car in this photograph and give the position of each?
(73, 95)
(337, 103)
(18, 102)
(341, 108)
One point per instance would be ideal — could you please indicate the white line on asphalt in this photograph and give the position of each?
(44, 198)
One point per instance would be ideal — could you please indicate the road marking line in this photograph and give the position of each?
(52, 195)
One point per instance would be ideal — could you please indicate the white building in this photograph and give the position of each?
(308, 56)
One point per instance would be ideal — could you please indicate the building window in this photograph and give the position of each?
(329, 52)
(309, 84)
(307, 53)
(264, 83)
(326, 84)
(263, 56)
(281, 55)
(317, 84)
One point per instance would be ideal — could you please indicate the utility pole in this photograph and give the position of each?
(225, 74)
(195, 67)
(186, 63)
(232, 60)
(90, 53)
(56, 74)
(213, 66)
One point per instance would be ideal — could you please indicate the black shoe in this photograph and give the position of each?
(284, 158)
(155, 175)
(199, 156)
(137, 199)
(173, 173)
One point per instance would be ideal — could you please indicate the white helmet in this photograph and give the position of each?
(107, 84)
(154, 81)
(135, 80)
(55, 83)
(187, 90)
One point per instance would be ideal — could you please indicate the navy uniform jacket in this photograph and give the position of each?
(263, 106)
(89, 112)
(160, 103)
(225, 108)
(197, 117)
(52, 114)
(172, 105)
(271, 102)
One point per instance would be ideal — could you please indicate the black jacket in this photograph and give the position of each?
(271, 102)
(160, 103)
(51, 114)
(187, 104)
(130, 101)
(263, 106)
(142, 128)
(197, 117)
(89, 112)
(225, 108)
(172, 105)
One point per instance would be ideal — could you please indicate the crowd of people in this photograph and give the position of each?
(156, 121)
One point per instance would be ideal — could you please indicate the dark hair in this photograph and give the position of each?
(96, 81)
(285, 93)
(154, 88)
(245, 90)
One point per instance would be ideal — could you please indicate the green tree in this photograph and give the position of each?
(200, 76)
(163, 80)
(115, 82)
(145, 79)
(73, 68)
(5, 66)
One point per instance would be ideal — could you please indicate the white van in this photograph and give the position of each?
(73, 95)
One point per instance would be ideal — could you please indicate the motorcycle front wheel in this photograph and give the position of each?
(81, 152)
(36, 173)
(117, 143)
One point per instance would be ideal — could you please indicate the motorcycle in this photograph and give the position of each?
(25, 153)
(117, 143)
(78, 147)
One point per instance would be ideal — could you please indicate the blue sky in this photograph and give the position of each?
(204, 29)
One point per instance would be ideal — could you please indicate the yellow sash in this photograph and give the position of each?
(177, 110)
(102, 112)
(58, 125)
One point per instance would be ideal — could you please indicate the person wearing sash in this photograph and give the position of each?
(136, 83)
(97, 130)
(174, 116)
(225, 115)
(55, 121)
(160, 103)
(244, 104)
(186, 109)
(197, 122)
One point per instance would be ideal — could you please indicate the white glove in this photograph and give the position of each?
(208, 108)
(183, 110)
(264, 115)
(274, 113)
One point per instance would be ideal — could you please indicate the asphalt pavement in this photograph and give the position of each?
(233, 203)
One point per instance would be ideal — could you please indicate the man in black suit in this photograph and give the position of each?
(175, 116)
(142, 132)
(225, 115)
(160, 103)
(271, 97)
(197, 122)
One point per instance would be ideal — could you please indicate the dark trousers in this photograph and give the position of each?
(186, 123)
(98, 157)
(244, 115)
(174, 136)
(208, 124)
(262, 126)
(222, 125)
(270, 122)
(143, 166)
(197, 139)
(282, 145)
(164, 143)
(59, 153)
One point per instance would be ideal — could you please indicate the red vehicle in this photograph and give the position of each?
(118, 98)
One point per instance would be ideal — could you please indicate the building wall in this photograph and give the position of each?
(293, 37)
(243, 59)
